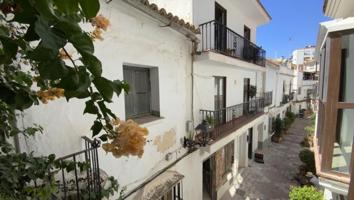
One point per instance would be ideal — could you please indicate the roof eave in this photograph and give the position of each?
(264, 10)
(174, 23)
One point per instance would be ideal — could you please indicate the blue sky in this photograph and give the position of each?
(294, 25)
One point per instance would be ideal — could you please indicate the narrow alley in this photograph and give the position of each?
(272, 180)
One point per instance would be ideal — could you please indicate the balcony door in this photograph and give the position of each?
(247, 50)
(246, 95)
(220, 99)
(220, 28)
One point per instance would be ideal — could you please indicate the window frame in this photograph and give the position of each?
(154, 99)
(329, 105)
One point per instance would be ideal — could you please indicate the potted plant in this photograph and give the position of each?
(278, 131)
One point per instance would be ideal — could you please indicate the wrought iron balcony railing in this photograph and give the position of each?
(83, 180)
(226, 120)
(217, 37)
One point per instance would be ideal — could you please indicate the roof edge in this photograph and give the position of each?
(160, 14)
(325, 6)
(264, 9)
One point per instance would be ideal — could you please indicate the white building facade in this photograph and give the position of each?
(179, 80)
(306, 81)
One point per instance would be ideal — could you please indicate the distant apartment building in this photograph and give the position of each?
(213, 79)
(334, 135)
(306, 78)
(301, 56)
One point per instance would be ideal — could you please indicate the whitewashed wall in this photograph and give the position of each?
(204, 74)
(132, 38)
(204, 11)
(271, 82)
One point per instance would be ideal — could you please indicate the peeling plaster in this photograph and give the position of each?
(165, 141)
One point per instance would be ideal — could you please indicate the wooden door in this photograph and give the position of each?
(220, 100)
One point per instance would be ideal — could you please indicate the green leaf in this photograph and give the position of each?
(91, 108)
(70, 81)
(105, 111)
(45, 8)
(23, 100)
(80, 89)
(26, 14)
(71, 166)
(96, 128)
(41, 53)
(51, 157)
(104, 86)
(83, 43)
(103, 138)
(118, 86)
(67, 6)
(53, 69)
(92, 63)
(90, 8)
(10, 48)
(31, 34)
(49, 37)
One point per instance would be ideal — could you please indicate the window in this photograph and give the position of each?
(299, 91)
(344, 131)
(142, 100)
(335, 129)
(175, 193)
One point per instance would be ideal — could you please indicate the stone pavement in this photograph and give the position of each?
(272, 180)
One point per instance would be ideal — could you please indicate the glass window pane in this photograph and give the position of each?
(347, 69)
(344, 141)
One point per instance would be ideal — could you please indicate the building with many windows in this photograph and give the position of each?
(212, 78)
(306, 78)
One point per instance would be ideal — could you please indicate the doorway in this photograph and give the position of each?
(246, 95)
(250, 143)
(247, 51)
(209, 192)
(220, 27)
(220, 99)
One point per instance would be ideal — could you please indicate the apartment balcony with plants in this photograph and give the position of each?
(227, 120)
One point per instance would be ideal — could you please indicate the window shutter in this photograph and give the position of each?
(129, 97)
(142, 94)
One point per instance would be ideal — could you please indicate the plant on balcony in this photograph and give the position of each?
(305, 193)
(37, 65)
(210, 120)
(252, 91)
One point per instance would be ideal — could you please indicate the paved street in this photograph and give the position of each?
(271, 180)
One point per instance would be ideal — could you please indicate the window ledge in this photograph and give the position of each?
(147, 119)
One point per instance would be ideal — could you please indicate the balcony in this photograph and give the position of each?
(286, 99)
(227, 120)
(219, 38)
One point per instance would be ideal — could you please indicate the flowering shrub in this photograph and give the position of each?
(128, 138)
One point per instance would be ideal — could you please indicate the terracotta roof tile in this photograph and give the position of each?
(170, 16)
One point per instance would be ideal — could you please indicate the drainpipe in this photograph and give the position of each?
(194, 52)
